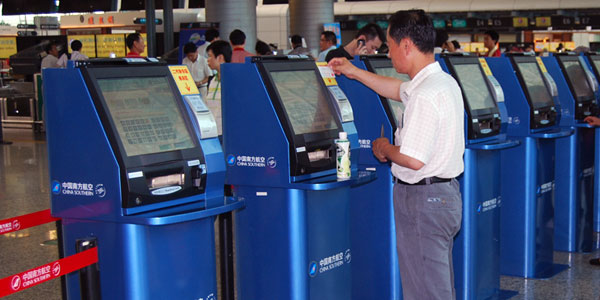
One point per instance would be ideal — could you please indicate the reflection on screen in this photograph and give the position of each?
(306, 105)
(578, 79)
(596, 61)
(534, 83)
(145, 113)
(474, 86)
(397, 107)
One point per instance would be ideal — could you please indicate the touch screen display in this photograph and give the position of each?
(396, 106)
(475, 88)
(578, 79)
(534, 83)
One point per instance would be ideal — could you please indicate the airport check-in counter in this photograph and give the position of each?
(373, 234)
(280, 122)
(527, 211)
(476, 253)
(574, 193)
(136, 169)
(593, 62)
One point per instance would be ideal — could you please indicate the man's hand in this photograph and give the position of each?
(594, 121)
(379, 146)
(341, 65)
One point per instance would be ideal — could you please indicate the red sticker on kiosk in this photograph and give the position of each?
(326, 73)
(183, 79)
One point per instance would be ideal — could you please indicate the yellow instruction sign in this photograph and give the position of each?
(88, 43)
(327, 74)
(184, 80)
(484, 65)
(8, 46)
(541, 64)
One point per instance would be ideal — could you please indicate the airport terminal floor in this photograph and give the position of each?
(24, 188)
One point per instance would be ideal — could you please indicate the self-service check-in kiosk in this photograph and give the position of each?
(476, 253)
(527, 211)
(136, 169)
(373, 234)
(574, 205)
(280, 122)
(593, 62)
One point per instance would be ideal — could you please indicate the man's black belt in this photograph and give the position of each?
(424, 181)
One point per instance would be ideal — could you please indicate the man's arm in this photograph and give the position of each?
(384, 151)
(385, 86)
(594, 121)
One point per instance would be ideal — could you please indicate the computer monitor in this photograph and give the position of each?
(577, 77)
(306, 106)
(534, 84)
(145, 115)
(475, 89)
(596, 61)
(397, 107)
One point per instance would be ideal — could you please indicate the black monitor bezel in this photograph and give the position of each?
(372, 62)
(307, 140)
(515, 60)
(93, 73)
(594, 57)
(561, 59)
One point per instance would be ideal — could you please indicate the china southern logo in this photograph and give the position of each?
(312, 269)
(271, 162)
(55, 187)
(100, 190)
(231, 160)
(348, 256)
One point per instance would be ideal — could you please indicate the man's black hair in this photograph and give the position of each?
(415, 25)
(189, 48)
(131, 38)
(237, 37)
(76, 45)
(493, 35)
(371, 31)
(262, 48)
(211, 34)
(48, 47)
(441, 37)
(296, 40)
(220, 48)
(456, 44)
(329, 36)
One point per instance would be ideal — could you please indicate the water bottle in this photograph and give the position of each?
(343, 156)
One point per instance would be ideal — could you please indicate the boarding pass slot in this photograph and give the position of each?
(166, 180)
(318, 155)
(343, 107)
(204, 118)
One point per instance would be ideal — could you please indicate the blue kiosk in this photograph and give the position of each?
(593, 62)
(280, 122)
(574, 204)
(375, 259)
(476, 254)
(136, 170)
(527, 211)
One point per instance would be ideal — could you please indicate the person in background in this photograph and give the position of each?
(297, 48)
(427, 157)
(76, 46)
(456, 45)
(262, 48)
(237, 38)
(198, 67)
(219, 52)
(367, 41)
(327, 42)
(51, 59)
(529, 50)
(135, 44)
(210, 36)
(441, 39)
(490, 41)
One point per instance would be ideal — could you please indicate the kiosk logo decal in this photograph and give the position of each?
(488, 205)
(271, 162)
(55, 187)
(211, 296)
(546, 187)
(100, 190)
(231, 159)
(15, 283)
(16, 225)
(56, 269)
(331, 262)
(364, 144)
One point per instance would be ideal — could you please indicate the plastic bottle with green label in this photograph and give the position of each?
(343, 156)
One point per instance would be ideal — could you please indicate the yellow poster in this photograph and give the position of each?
(543, 21)
(8, 46)
(327, 74)
(88, 42)
(145, 53)
(484, 65)
(478, 47)
(110, 43)
(520, 22)
(184, 80)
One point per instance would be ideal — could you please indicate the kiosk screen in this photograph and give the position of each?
(396, 106)
(578, 79)
(474, 86)
(145, 115)
(596, 60)
(540, 96)
(306, 106)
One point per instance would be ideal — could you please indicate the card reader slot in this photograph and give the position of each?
(166, 180)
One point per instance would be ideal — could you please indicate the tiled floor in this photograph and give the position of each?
(24, 188)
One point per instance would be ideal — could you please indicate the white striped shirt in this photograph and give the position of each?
(432, 130)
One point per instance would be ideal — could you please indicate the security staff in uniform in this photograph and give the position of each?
(426, 158)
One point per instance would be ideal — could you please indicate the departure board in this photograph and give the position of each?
(306, 106)
(396, 106)
(578, 79)
(145, 114)
(534, 83)
(474, 86)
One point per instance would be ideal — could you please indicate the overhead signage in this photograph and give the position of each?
(543, 21)
(520, 22)
(459, 23)
(438, 23)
